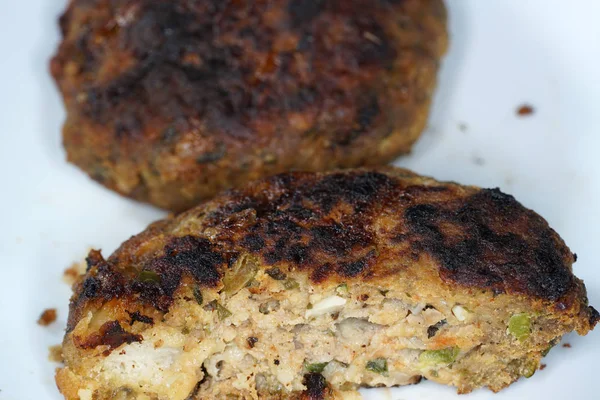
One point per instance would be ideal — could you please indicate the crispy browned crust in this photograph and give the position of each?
(171, 101)
(355, 225)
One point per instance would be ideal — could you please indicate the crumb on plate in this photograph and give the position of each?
(524, 110)
(47, 317)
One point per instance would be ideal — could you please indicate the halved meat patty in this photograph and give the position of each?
(171, 101)
(311, 285)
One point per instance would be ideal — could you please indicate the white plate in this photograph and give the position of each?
(503, 53)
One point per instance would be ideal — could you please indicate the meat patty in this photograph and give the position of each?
(171, 101)
(311, 285)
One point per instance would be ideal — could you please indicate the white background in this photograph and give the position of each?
(503, 53)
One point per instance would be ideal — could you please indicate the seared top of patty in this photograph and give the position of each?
(172, 101)
(372, 225)
(227, 63)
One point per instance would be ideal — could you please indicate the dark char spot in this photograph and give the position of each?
(137, 316)
(316, 387)
(110, 334)
(485, 254)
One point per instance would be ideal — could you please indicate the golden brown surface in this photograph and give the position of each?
(169, 102)
(424, 266)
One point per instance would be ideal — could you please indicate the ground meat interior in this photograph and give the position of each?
(273, 334)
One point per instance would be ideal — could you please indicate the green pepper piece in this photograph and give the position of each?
(244, 271)
(519, 326)
(443, 356)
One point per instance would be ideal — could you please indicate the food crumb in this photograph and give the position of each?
(47, 317)
(524, 110)
(567, 345)
(542, 367)
(55, 353)
(73, 272)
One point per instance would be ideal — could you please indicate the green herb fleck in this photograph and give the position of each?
(315, 367)
(290, 284)
(378, 365)
(276, 274)
(198, 295)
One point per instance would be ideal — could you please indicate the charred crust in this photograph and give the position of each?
(355, 268)
(594, 316)
(182, 255)
(181, 48)
(187, 255)
(343, 227)
(487, 253)
(110, 334)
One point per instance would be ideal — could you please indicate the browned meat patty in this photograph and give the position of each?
(169, 102)
(311, 285)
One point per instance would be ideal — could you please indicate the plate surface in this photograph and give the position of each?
(504, 53)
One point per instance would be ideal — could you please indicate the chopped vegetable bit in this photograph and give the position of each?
(519, 326)
(198, 295)
(240, 276)
(529, 369)
(315, 367)
(276, 274)
(222, 312)
(443, 356)
(460, 312)
(325, 306)
(148, 276)
(290, 284)
(342, 289)
(378, 365)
